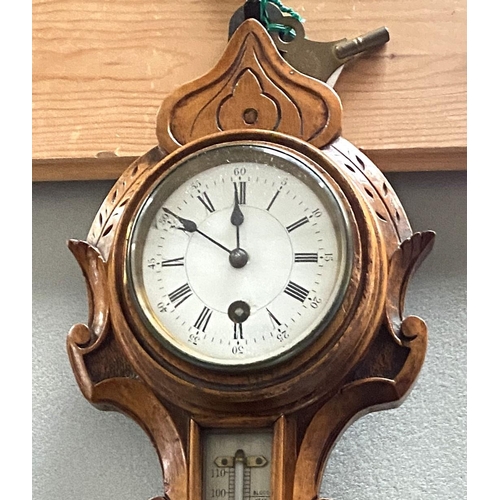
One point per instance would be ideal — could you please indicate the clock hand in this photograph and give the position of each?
(188, 225)
(237, 217)
(238, 258)
(191, 227)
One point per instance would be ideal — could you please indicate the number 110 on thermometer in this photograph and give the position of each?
(237, 466)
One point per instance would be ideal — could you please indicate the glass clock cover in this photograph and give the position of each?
(240, 255)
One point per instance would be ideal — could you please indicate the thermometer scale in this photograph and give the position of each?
(237, 465)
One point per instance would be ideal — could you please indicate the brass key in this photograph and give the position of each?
(321, 59)
(317, 59)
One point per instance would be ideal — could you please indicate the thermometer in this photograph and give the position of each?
(237, 466)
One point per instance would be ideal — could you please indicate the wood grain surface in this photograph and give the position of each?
(102, 69)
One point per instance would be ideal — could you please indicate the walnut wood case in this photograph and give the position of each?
(366, 359)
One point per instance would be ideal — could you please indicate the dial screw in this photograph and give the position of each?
(238, 311)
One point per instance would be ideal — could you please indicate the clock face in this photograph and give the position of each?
(239, 256)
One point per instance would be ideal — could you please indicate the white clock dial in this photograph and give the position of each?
(240, 255)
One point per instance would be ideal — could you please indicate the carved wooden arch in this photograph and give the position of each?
(251, 87)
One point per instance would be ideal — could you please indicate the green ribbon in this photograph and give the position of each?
(282, 28)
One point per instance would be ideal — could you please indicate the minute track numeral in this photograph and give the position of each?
(203, 319)
(296, 291)
(297, 224)
(203, 197)
(306, 257)
(177, 297)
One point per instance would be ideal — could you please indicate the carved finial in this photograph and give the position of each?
(251, 87)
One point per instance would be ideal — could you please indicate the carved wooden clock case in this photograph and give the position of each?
(199, 347)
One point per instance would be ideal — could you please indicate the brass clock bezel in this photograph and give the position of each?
(218, 154)
(327, 358)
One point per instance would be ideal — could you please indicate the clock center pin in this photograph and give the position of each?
(238, 258)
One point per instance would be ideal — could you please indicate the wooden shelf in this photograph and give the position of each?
(102, 69)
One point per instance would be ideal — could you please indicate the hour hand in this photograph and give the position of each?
(237, 217)
(187, 225)
(190, 227)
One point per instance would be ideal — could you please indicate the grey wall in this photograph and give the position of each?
(417, 451)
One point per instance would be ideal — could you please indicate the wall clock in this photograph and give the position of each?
(246, 282)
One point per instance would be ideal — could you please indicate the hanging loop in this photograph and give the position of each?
(258, 9)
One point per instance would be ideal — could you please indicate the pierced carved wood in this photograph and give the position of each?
(252, 87)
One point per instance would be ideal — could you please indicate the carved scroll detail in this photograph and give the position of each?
(381, 380)
(87, 344)
(251, 87)
(94, 271)
(404, 262)
(107, 379)
(385, 384)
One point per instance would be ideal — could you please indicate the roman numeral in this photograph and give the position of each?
(203, 319)
(272, 317)
(173, 262)
(306, 257)
(297, 224)
(296, 291)
(203, 197)
(177, 297)
(273, 199)
(238, 331)
(241, 189)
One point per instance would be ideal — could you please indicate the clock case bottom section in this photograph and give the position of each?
(302, 437)
(302, 441)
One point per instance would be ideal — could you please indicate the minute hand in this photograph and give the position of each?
(191, 227)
